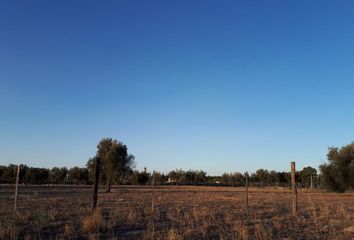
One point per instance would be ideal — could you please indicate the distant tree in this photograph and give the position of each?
(174, 174)
(78, 175)
(253, 178)
(8, 174)
(306, 174)
(178, 175)
(263, 175)
(273, 177)
(200, 177)
(338, 173)
(189, 177)
(284, 178)
(328, 178)
(63, 173)
(38, 175)
(55, 175)
(233, 179)
(23, 174)
(116, 162)
(2, 172)
(140, 178)
(239, 178)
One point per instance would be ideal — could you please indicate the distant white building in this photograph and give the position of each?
(172, 180)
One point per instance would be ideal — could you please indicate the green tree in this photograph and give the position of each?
(338, 173)
(78, 175)
(140, 178)
(283, 178)
(233, 179)
(307, 174)
(116, 162)
(55, 175)
(264, 176)
(38, 175)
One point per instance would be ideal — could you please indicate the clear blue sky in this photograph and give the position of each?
(212, 85)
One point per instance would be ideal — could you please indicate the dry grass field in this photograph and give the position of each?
(173, 212)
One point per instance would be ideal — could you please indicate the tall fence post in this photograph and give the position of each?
(153, 191)
(294, 189)
(95, 184)
(246, 180)
(16, 186)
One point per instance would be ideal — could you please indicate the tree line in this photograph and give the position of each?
(35, 175)
(117, 167)
(84, 175)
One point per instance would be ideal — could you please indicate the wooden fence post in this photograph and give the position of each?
(246, 180)
(153, 191)
(16, 186)
(95, 184)
(294, 189)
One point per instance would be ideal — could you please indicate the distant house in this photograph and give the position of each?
(217, 182)
(172, 180)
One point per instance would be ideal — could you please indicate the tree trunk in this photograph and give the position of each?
(108, 188)
(95, 185)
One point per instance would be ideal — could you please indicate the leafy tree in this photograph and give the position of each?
(306, 174)
(116, 162)
(38, 175)
(200, 177)
(188, 177)
(233, 179)
(55, 175)
(263, 175)
(140, 178)
(194, 177)
(8, 174)
(338, 173)
(175, 174)
(273, 177)
(78, 175)
(284, 178)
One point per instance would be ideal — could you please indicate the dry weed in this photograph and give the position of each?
(173, 235)
(262, 232)
(93, 222)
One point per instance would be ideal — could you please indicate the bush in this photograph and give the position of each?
(338, 174)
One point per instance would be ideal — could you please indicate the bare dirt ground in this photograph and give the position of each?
(173, 212)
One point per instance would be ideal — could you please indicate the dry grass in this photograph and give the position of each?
(93, 223)
(177, 213)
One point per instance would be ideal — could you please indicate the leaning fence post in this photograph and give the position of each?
(95, 184)
(246, 180)
(294, 189)
(16, 186)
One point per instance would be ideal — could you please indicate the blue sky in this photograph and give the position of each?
(220, 86)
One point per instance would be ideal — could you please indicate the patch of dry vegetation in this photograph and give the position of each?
(177, 213)
(93, 223)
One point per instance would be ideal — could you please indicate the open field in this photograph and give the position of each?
(173, 212)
